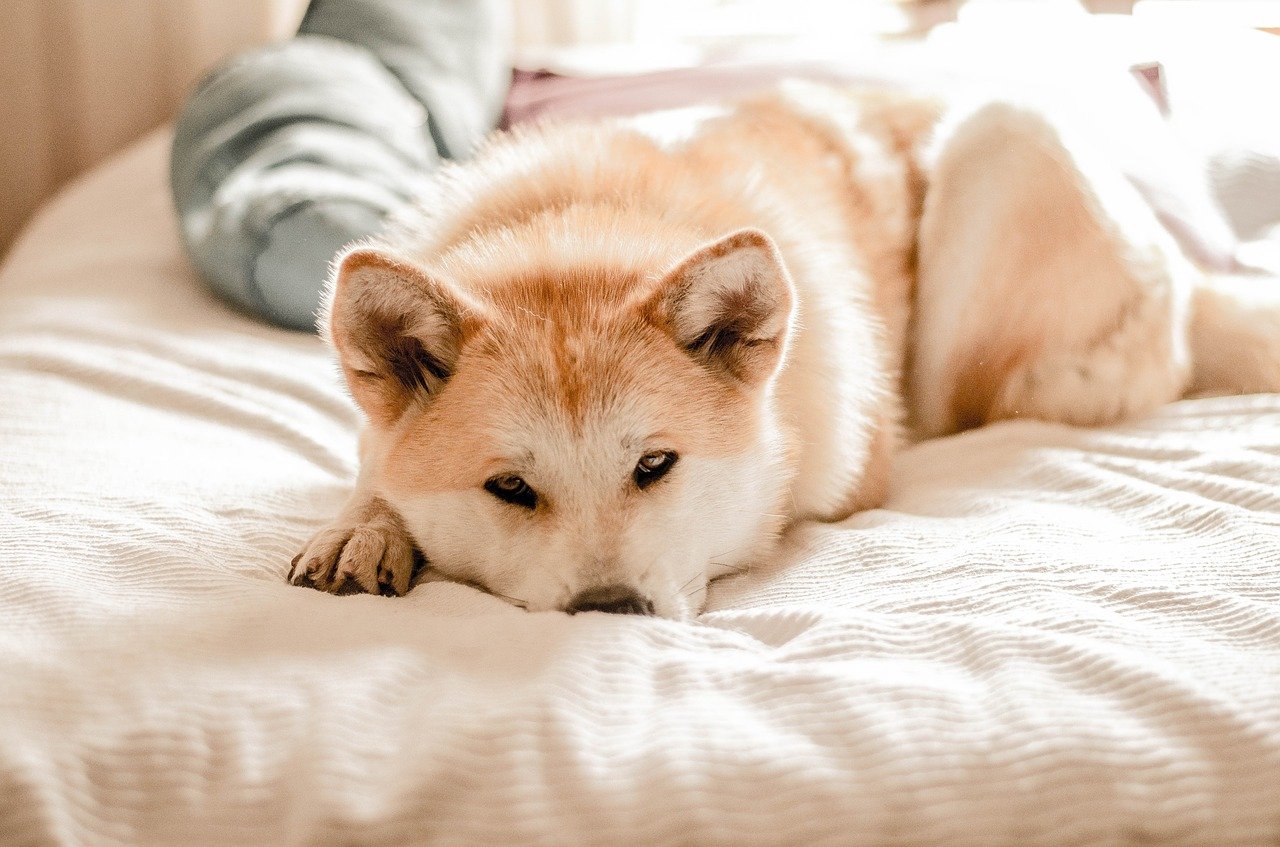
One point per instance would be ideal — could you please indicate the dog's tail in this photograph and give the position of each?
(1235, 335)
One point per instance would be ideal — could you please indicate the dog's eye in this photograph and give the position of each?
(653, 466)
(512, 489)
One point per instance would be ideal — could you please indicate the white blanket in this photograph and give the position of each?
(1050, 636)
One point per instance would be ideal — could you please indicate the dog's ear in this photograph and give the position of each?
(397, 330)
(728, 304)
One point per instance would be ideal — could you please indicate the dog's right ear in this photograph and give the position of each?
(397, 330)
(728, 304)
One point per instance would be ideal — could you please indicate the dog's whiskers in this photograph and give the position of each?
(515, 601)
(693, 592)
(687, 583)
(480, 586)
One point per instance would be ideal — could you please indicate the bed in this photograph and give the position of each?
(1047, 636)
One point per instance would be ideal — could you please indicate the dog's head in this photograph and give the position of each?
(589, 439)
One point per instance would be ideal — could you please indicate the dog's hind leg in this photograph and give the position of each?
(1046, 287)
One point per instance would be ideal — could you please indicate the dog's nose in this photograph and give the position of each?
(615, 599)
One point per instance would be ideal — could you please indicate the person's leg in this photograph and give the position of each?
(289, 152)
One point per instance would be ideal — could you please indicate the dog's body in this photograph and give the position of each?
(602, 368)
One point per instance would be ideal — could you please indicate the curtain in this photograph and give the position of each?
(82, 78)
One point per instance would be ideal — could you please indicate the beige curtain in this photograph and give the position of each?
(79, 79)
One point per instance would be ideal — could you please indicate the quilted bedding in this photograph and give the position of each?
(1048, 636)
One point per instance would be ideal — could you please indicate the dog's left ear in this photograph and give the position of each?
(728, 304)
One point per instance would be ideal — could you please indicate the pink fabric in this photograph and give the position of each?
(541, 94)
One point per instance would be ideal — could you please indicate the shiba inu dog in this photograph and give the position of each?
(602, 366)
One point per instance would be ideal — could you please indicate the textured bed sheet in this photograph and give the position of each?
(1049, 636)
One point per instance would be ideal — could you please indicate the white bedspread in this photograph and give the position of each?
(1050, 636)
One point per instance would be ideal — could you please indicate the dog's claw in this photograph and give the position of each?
(293, 570)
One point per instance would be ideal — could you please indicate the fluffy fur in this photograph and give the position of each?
(775, 296)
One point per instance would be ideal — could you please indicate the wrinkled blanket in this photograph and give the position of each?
(1048, 636)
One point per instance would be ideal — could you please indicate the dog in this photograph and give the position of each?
(602, 365)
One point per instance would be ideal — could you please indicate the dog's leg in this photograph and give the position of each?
(397, 335)
(366, 545)
(1046, 287)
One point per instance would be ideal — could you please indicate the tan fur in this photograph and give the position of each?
(771, 293)
(1235, 333)
(872, 489)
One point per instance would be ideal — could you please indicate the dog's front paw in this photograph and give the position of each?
(366, 549)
